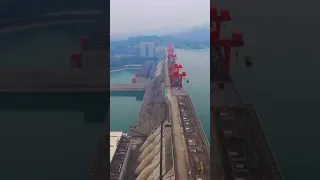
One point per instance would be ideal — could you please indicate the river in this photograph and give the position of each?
(123, 110)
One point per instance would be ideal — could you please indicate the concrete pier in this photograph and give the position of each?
(127, 87)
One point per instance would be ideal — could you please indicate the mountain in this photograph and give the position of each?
(199, 34)
(121, 37)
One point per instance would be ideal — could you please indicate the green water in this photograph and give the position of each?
(196, 63)
(123, 110)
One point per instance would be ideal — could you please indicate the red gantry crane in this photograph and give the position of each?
(224, 16)
(227, 44)
(177, 75)
(175, 70)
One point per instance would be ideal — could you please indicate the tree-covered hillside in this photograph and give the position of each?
(192, 38)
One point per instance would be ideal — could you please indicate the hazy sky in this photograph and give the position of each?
(128, 16)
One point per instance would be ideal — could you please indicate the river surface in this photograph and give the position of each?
(50, 144)
(123, 110)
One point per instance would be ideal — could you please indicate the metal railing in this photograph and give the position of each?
(125, 162)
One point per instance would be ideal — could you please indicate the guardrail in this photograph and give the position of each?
(125, 162)
(199, 122)
(203, 133)
(172, 141)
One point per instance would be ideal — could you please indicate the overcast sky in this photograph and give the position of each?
(132, 16)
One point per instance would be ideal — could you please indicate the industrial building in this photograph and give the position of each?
(147, 49)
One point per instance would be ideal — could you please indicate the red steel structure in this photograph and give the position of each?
(175, 70)
(75, 60)
(177, 76)
(224, 16)
(215, 38)
(134, 78)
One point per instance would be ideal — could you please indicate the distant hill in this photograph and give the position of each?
(199, 34)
